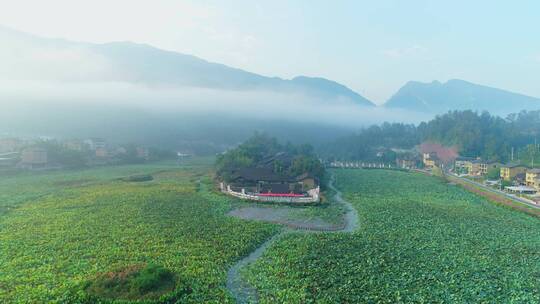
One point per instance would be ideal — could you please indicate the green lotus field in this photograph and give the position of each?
(65, 236)
(102, 236)
(420, 240)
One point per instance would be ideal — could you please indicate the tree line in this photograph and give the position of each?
(474, 134)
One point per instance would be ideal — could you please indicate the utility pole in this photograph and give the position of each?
(533, 153)
(512, 154)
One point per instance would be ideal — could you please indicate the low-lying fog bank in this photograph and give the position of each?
(173, 116)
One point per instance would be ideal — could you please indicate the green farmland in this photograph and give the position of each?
(100, 235)
(420, 240)
(59, 231)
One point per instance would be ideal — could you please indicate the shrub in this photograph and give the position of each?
(133, 282)
(138, 178)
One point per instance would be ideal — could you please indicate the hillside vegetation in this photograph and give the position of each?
(474, 134)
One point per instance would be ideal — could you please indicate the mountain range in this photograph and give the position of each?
(144, 64)
(37, 58)
(437, 97)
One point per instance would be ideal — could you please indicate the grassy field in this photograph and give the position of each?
(62, 231)
(420, 240)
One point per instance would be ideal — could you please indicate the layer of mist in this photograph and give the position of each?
(130, 92)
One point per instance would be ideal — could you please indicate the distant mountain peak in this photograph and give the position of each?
(456, 94)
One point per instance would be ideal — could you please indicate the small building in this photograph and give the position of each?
(485, 166)
(33, 158)
(74, 145)
(275, 188)
(480, 167)
(95, 143)
(430, 160)
(10, 145)
(101, 152)
(520, 189)
(535, 183)
(264, 180)
(509, 172)
(406, 163)
(255, 178)
(519, 179)
(531, 175)
(306, 182)
(473, 168)
(407, 160)
(462, 164)
(442, 156)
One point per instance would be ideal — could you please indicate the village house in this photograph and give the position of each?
(33, 158)
(473, 168)
(520, 189)
(519, 179)
(95, 143)
(98, 146)
(307, 182)
(407, 160)
(511, 171)
(480, 167)
(430, 160)
(101, 152)
(10, 145)
(436, 155)
(531, 177)
(485, 166)
(462, 164)
(265, 180)
(406, 163)
(74, 145)
(534, 183)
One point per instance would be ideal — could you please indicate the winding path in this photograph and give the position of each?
(351, 217)
(245, 293)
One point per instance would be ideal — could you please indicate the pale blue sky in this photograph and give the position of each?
(373, 47)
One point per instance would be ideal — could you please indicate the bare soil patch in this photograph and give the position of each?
(284, 216)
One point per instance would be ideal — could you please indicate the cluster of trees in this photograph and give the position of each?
(261, 146)
(474, 134)
(367, 144)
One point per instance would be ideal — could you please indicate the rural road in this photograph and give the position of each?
(242, 291)
(498, 192)
(489, 189)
